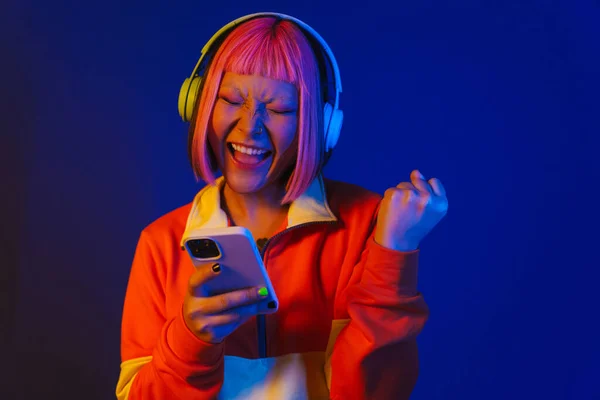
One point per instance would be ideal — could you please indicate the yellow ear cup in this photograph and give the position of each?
(187, 97)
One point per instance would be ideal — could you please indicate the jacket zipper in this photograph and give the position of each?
(261, 319)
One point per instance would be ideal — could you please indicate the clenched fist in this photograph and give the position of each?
(409, 212)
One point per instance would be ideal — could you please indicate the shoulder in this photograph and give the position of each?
(168, 228)
(349, 199)
(344, 189)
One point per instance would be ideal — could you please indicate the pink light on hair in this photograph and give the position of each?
(275, 49)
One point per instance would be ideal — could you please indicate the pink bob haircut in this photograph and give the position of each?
(277, 49)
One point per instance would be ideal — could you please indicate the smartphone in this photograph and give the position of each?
(234, 249)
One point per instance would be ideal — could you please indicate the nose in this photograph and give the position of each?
(251, 120)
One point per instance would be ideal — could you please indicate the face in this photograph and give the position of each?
(253, 131)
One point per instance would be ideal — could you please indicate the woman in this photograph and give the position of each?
(342, 260)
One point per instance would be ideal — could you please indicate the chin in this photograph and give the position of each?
(244, 186)
(249, 184)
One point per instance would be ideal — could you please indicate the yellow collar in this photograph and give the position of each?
(206, 210)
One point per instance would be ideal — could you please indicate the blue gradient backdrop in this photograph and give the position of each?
(498, 99)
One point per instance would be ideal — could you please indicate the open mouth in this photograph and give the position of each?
(248, 155)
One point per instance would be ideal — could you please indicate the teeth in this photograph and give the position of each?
(246, 150)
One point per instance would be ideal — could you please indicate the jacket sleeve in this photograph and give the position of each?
(375, 354)
(161, 358)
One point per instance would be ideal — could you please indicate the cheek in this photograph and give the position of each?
(218, 122)
(216, 131)
(285, 141)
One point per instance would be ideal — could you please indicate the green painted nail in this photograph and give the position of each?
(263, 291)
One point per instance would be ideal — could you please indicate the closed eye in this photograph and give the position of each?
(230, 101)
(282, 112)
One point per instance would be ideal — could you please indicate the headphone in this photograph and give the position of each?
(332, 115)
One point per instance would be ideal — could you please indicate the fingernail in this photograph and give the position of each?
(263, 292)
(272, 305)
(420, 175)
(216, 268)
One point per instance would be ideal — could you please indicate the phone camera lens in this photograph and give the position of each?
(203, 248)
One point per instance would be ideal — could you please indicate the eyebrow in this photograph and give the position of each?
(226, 86)
(269, 100)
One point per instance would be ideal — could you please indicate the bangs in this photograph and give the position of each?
(271, 53)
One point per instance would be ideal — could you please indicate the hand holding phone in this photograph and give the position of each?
(234, 249)
(213, 318)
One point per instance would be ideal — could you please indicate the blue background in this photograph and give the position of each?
(498, 99)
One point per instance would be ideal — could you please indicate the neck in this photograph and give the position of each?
(252, 206)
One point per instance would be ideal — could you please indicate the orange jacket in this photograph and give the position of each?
(349, 310)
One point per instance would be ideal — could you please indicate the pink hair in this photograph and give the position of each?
(275, 49)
